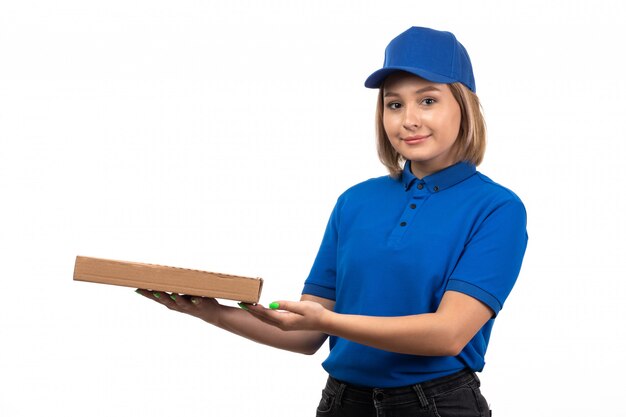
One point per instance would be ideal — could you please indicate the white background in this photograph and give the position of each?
(218, 135)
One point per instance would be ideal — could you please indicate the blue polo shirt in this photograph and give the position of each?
(393, 246)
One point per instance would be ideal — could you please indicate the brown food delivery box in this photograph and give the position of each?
(167, 278)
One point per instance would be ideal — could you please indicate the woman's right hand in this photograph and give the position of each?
(207, 309)
(243, 323)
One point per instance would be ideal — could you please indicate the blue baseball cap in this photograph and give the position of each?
(431, 54)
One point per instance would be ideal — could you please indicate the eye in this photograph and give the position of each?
(429, 101)
(394, 105)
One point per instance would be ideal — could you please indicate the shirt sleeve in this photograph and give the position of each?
(492, 258)
(322, 279)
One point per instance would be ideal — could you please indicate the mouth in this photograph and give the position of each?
(415, 139)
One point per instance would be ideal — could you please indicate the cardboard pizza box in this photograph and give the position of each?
(168, 278)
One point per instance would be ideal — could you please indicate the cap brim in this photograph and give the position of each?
(377, 78)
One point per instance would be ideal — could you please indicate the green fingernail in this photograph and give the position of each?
(274, 305)
(173, 297)
(243, 306)
(156, 294)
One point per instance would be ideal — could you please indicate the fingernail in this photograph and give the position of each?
(156, 294)
(173, 297)
(195, 300)
(138, 291)
(274, 305)
(243, 306)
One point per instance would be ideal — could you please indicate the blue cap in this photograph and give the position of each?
(431, 54)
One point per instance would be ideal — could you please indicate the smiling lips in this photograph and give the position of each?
(411, 140)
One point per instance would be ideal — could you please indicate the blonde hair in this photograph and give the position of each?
(469, 145)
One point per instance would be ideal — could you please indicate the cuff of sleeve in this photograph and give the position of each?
(319, 291)
(476, 292)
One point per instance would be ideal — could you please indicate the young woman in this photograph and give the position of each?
(413, 267)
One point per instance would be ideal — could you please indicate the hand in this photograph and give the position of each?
(202, 307)
(293, 315)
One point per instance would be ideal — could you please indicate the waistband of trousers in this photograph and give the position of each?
(430, 388)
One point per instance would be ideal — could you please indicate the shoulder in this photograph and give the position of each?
(490, 189)
(368, 193)
(374, 184)
(496, 197)
(496, 188)
(371, 188)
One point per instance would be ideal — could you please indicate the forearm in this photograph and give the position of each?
(442, 333)
(424, 334)
(241, 323)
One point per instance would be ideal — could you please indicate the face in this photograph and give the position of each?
(422, 121)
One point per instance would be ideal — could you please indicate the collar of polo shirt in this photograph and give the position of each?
(440, 180)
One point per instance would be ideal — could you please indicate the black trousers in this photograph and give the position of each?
(456, 395)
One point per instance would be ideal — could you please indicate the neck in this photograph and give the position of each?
(421, 170)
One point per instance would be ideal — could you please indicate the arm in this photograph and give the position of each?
(486, 271)
(239, 322)
(443, 333)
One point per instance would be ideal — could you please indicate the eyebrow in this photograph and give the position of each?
(420, 91)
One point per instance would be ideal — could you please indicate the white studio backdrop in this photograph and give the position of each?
(217, 136)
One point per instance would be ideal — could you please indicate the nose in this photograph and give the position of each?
(411, 118)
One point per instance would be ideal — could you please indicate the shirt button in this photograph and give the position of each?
(436, 188)
(379, 396)
(403, 224)
(412, 206)
(420, 186)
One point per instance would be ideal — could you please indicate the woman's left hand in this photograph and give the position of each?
(292, 315)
